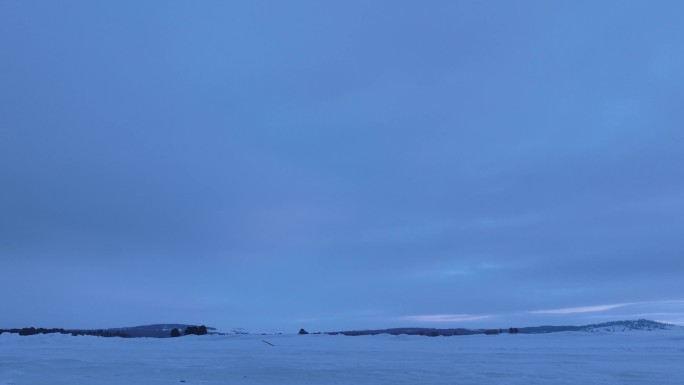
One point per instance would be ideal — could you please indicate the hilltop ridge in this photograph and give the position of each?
(613, 326)
(164, 330)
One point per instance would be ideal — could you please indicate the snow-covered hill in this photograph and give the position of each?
(623, 326)
(615, 326)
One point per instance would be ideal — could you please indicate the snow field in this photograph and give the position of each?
(637, 357)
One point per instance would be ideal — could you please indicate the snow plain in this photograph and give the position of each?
(638, 357)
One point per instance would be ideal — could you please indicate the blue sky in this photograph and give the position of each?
(332, 165)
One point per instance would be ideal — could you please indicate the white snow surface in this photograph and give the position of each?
(638, 357)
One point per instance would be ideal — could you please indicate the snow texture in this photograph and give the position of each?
(636, 357)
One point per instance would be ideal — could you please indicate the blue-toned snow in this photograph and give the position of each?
(638, 357)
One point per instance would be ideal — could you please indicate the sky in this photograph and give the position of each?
(273, 165)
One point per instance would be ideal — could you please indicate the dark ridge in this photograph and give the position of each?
(74, 332)
(430, 332)
(158, 330)
(152, 331)
(641, 324)
(549, 329)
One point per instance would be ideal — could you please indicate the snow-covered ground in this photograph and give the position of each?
(637, 357)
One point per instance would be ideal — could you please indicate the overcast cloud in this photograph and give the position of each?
(341, 165)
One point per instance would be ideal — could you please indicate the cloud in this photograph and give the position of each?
(582, 309)
(510, 221)
(445, 317)
(598, 308)
(468, 269)
(379, 185)
(678, 322)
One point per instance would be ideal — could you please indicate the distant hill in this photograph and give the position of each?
(164, 330)
(548, 329)
(623, 326)
(615, 326)
(153, 331)
(411, 331)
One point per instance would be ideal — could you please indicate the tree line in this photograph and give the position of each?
(190, 330)
(97, 333)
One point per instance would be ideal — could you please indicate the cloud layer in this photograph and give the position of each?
(263, 164)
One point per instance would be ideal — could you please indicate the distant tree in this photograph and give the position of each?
(513, 330)
(28, 331)
(175, 332)
(302, 331)
(196, 330)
